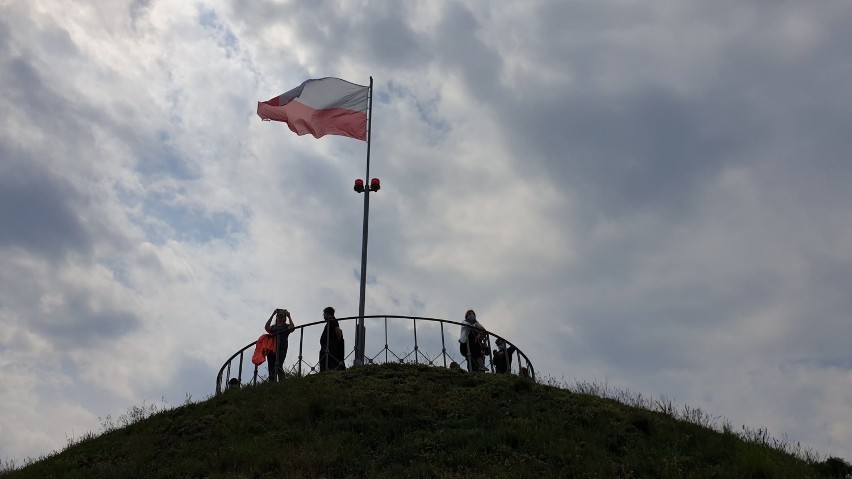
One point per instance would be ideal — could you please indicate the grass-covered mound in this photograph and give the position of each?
(404, 421)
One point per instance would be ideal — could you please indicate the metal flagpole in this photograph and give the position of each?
(360, 330)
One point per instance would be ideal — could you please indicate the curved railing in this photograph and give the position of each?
(427, 349)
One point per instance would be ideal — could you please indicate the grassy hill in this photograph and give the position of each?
(404, 421)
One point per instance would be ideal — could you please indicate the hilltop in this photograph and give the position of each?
(405, 421)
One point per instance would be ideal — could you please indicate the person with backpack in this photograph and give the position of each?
(470, 342)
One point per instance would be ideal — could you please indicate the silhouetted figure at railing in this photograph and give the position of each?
(281, 331)
(470, 342)
(332, 345)
(502, 356)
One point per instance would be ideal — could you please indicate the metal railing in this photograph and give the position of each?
(427, 349)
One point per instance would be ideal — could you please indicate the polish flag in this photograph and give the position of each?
(326, 106)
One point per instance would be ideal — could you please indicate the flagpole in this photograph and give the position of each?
(360, 330)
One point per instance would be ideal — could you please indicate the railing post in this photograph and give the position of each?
(328, 334)
(240, 371)
(490, 353)
(443, 345)
(301, 342)
(416, 350)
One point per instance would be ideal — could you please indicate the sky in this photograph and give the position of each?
(650, 195)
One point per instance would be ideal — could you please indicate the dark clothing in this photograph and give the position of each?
(332, 361)
(275, 360)
(330, 325)
(474, 343)
(503, 359)
(472, 349)
(331, 348)
(282, 335)
(470, 344)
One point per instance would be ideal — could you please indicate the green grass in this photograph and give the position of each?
(405, 421)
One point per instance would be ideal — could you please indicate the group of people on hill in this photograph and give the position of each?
(272, 346)
(473, 345)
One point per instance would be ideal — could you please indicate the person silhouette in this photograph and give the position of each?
(281, 330)
(470, 342)
(332, 344)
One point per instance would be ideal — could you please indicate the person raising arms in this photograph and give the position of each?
(281, 330)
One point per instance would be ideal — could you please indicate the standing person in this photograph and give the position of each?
(470, 344)
(331, 343)
(281, 330)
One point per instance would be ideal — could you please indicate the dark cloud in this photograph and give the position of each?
(139, 8)
(379, 36)
(77, 323)
(24, 82)
(37, 209)
(625, 154)
(462, 52)
(389, 41)
(25, 85)
(57, 43)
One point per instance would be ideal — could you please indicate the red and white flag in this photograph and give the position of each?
(325, 106)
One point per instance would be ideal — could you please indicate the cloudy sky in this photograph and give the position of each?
(648, 194)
